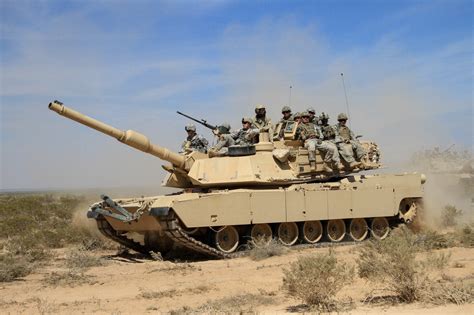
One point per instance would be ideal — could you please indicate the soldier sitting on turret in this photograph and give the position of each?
(260, 121)
(328, 133)
(225, 141)
(297, 117)
(246, 135)
(313, 140)
(194, 142)
(347, 137)
(287, 117)
(312, 116)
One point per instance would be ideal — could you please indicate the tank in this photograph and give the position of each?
(267, 190)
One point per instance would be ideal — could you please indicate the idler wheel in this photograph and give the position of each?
(336, 230)
(358, 229)
(312, 231)
(227, 239)
(380, 228)
(288, 233)
(261, 232)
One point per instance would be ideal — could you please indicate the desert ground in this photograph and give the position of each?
(135, 284)
(54, 261)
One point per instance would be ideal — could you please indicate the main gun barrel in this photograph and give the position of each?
(131, 138)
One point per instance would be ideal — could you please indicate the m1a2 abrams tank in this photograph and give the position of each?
(266, 190)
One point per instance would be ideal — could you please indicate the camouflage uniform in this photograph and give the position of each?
(313, 140)
(245, 136)
(225, 141)
(261, 122)
(345, 135)
(195, 143)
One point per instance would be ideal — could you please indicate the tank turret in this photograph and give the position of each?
(277, 163)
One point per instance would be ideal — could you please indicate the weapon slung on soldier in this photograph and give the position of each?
(199, 121)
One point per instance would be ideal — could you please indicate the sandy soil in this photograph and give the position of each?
(138, 285)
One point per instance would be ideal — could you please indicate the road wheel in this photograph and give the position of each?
(380, 228)
(261, 232)
(312, 231)
(288, 233)
(358, 229)
(227, 239)
(336, 230)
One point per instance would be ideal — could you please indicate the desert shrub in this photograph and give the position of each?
(450, 292)
(436, 260)
(80, 258)
(449, 215)
(466, 236)
(392, 263)
(316, 280)
(262, 248)
(430, 239)
(13, 267)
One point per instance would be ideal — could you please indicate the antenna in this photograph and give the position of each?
(289, 103)
(347, 102)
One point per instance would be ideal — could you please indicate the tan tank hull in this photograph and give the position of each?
(195, 220)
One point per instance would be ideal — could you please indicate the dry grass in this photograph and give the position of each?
(148, 294)
(239, 304)
(450, 215)
(80, 258)
(392, 268)
(70, 278)
(262, 248)
(32, 225)
(316, 280)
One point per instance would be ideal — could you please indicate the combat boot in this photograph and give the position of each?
(338, 166)
(326, 168)
(364, 165)
(354, 165)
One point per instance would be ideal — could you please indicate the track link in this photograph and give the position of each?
(106, 229)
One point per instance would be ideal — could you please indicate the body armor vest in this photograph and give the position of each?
(307, 131)
(344, 132)
(328, 132)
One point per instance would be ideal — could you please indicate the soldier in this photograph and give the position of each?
(194, 142)
(347, 136)
(328, 133)
(297, 117)
(247, 135)
(312, 116)
(225, 141)
(261, 122)
(311, 137)
(286, 112)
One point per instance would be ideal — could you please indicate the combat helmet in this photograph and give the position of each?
(324, 116)
(285, 109)
(260, 108)
(310, 110)
(304, 114)
(342, 116)
(297, 115)
(247, 120)
(190, 127)
(224, 128)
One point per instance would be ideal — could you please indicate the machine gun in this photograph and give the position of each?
(199, 121)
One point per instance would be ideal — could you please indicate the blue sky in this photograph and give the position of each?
(407, 65)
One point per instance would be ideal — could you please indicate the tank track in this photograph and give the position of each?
(172, 229)
(106, 229)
